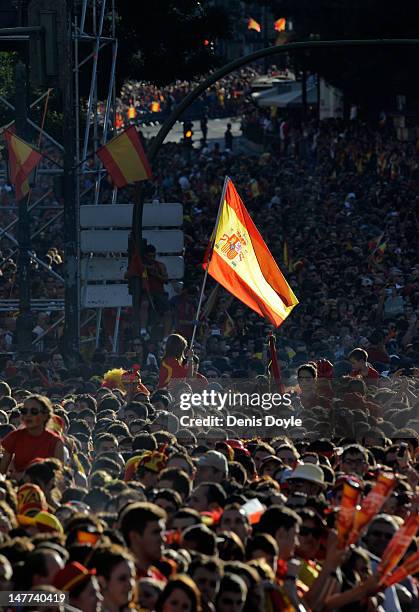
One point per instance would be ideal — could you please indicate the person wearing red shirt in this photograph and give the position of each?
(178, 363)
(307, 380)
(33, 440)
(360, 367)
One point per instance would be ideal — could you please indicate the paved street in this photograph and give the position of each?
(216, 129)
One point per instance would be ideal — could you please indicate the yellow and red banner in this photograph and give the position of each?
(241, 262)
(280, 24)
(124, 159)
(252, 24)
(23, 159)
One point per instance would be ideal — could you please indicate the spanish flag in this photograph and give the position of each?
(241, 262)
(280, 24)
(23, 159)
(124, 158)
(252, 24)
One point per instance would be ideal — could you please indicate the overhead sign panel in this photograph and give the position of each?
(120, 215)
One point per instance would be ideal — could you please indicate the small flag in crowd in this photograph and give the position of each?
(23, 159)
(124, 158)
(274, 367)
(398, 545)
(241, 262)
(280, 24)
(252, 24)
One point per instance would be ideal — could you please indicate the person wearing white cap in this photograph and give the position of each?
(212, 467)
(307, 478)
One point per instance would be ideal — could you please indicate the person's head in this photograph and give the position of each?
(284, 525)
(171, 478)
(179, 595)
(175, 346)
(115, 570)
(57, 361)
(287, 454)
(5, 390)
(358, 358)
(312, 530)
(181, 462)
(206, 572)
(207, 496)
(135, 410)
(232, 594)
(149, 590)
(234, 520)
(381, 530)
(306, 376)
(169, 500)
(142, 525)
(354, 460)
(85, 402)
(306, 478)
(212, 467)
(82, 586)
(36, 412)
(40, 567)
(186, 517)
(261, 452)
(263, 546)
(200, 539)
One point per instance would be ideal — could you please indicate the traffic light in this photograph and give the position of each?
(187, 132)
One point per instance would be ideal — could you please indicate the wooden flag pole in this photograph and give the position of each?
(204, 282)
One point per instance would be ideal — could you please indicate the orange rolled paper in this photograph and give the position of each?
(350, 497)
(372, 504)
(398, 545)
(408, 568)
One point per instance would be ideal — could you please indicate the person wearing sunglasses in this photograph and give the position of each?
(33, 439)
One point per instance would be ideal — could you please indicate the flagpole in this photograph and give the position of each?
(204, 282)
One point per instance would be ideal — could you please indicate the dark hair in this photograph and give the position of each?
(179, 479)
(276, 517)
(204, 539)
(5, 389)
(264, 542)
(185, 584)
(358, 354)
(87, 399)
(215, 493)
(307, 367)
(136, 516)
(212, 564)
(144, 441)
(175, 346)
(140, 409)
(105, 558)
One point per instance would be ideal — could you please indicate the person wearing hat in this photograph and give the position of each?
(212, 467)
(149, 467)
(81, 585)
(307, 478)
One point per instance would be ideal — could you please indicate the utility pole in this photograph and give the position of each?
(24, 324)
(71, 208)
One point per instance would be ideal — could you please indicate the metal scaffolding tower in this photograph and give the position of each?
(87, 32)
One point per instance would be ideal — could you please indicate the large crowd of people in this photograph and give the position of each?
(123, 487)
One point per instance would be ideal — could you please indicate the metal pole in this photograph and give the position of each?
(116, 331)
(204, 282)
(71, 210)
(24, 324)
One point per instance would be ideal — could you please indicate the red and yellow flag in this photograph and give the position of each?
(241, 262)
(280, 24)
(124, 158)
(23, 159)
(252, 24)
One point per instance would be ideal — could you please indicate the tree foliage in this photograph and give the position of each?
(164, 40)
(370, 76)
